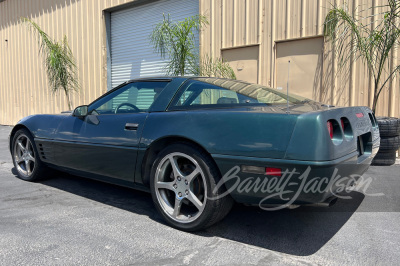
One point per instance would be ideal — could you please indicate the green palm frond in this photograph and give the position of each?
(59, 62)
(177, 42)
(352, 39)
(214, 67)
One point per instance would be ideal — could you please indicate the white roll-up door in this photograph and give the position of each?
(132, 55)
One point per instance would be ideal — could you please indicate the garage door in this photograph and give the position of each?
(132, 55)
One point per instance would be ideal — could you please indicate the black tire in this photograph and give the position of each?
(389, 143)
(384, 158)
(388, 126)
(37, 168)
(214, 207)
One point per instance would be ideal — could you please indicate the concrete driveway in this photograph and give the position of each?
(68, 220)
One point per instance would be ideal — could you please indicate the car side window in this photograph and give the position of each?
(200, 94)
(134, 97)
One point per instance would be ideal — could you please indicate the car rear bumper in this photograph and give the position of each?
(301, 182)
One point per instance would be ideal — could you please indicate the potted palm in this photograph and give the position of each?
(353, 37)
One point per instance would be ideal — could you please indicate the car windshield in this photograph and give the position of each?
(214, 92)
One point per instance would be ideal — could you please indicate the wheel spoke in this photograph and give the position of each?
(27, 144)
(28, 167)
(31, 158)
(21, 146)
(175, 166)
(177, 207)
(165, 185)
(192, 175)
(19, 160)
(193, 199)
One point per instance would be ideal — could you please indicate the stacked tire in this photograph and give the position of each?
(389, 129)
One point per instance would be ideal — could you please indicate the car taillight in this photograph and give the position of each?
(273, 171)
(262, 170)
(346, 126)
(330, 128)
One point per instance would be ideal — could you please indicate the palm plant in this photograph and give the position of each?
(59, 61)
(214, 67)
(177, 42)
(353, 37)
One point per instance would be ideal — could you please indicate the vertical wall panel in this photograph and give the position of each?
(252, 22)
(239, 23)
(228, 12)
(206, 38)
(216, 36)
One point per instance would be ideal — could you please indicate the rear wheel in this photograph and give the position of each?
(183, 182)
(25, 157)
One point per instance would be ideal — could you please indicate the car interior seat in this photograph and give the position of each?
(226, 100)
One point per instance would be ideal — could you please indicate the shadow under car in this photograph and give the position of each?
(302, 231)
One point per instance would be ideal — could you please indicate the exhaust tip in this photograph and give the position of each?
(326, 203)
(332, 201)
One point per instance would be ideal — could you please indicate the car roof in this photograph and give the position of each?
(169, 78)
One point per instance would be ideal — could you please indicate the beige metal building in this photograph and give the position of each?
(109, 39)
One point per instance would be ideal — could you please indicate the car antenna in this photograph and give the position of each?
(287, 88)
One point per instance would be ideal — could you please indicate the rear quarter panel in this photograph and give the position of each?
(231, 132)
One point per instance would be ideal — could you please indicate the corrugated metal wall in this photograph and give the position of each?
(23, 82)
(236, 23)
(233, 23)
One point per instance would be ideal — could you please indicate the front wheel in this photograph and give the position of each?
(25, 157)
(183, 182)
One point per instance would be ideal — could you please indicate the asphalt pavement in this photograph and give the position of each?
(68, 220)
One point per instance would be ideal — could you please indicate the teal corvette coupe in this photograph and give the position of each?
(200, 144)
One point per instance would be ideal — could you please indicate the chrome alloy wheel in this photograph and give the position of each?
(24, 155)
(180, 187)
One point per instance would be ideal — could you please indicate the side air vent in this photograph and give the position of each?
(44, 150)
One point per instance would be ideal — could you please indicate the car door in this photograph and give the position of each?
(106, 141)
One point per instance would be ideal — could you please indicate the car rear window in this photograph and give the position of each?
(211, 92)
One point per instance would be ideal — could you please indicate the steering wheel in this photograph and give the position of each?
(126, 104)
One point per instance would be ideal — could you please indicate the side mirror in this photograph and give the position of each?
(80, 111)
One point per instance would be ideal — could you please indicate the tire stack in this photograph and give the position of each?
(389, 129)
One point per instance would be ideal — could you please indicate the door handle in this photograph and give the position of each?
(131, 126)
